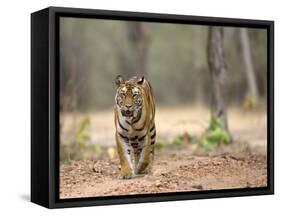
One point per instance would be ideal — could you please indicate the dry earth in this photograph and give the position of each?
(173, 171)
(240, 165)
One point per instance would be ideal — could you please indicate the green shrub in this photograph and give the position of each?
(177, 141)
(82, 136)
(160, 143)
(215, 135)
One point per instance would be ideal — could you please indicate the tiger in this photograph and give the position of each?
(134, 118)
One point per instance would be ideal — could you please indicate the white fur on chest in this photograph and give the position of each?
(131, 129)
(131, 132)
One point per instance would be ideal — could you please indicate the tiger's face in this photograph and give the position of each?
(129, 98)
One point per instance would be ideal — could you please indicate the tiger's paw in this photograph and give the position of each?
(143, 169)
(127, 176)
(143, 173)
(127, 173)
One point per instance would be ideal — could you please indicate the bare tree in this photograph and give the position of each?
(217, 67)
(249, 67)
(138, 37)
(69, 86)
(197, 63)
(69, 79)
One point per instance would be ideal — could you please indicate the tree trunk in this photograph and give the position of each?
(249, 67)
(217, 67)
(139, 40)
(69, 93)
(197, 64)
(69, 97)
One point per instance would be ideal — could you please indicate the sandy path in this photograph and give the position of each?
(173, 171)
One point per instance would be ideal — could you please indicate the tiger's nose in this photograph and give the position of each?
(128, 106)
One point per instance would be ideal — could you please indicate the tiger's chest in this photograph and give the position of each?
(131, 135)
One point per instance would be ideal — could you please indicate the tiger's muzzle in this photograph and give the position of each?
(127, 113)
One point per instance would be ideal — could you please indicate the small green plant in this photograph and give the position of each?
(215, 123)
(160, 143)
(183, 139)
(97, 149)
(83, 140)
(65, 161)
(82, 136)
(65, 153)
(193, 139)
(215, 135)
(177, 141)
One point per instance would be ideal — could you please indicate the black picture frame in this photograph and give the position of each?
(45, 106)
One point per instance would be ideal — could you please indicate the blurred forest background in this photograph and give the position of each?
(180, 62)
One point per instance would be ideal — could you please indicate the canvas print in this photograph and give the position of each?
(149, 108)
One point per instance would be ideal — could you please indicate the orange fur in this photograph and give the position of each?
(134, 163)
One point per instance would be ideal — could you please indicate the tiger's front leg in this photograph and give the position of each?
(125, 156)
(145, 158)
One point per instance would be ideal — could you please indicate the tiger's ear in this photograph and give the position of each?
(140, 81)
(119, 80)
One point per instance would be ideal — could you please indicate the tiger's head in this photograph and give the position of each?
(129, 98)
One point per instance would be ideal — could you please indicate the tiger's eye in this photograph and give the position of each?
(135, 91)
(138, 101)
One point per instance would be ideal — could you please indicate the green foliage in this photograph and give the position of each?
(64, 153)
(207, 144)
(96, 148)
(177, 141)
(82, 136)
(83, 139)
(160, 143)
(183, 139)
(193, 139)
(215, 135)
(81, 145)
(66, 161)
(215, 123)
(218, 135)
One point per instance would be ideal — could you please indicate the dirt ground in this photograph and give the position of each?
(240, 165)
(172, 171)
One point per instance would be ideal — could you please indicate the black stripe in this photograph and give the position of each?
(124, 137)
(152, 129)
(139, 116)
(152, 143)
(122, 126)
(134, 138)
(128, 122)
(153, 135)
(140, 129)
(142, 138)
